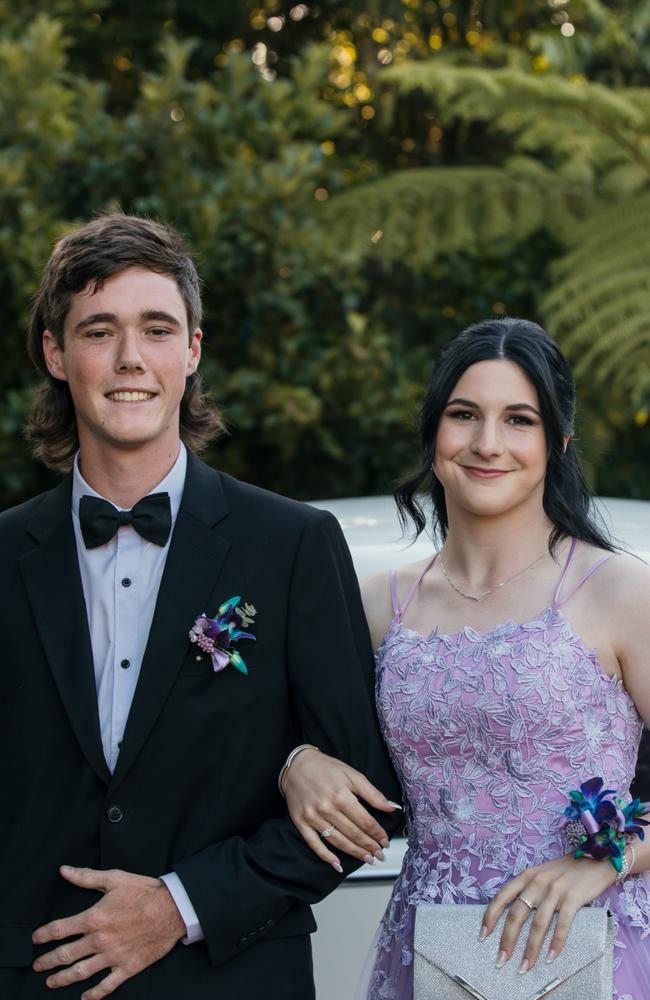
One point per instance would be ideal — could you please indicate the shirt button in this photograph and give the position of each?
(125, 663)
(126, 582)
(114, 814)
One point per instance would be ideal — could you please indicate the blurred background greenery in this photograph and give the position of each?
(358, 181)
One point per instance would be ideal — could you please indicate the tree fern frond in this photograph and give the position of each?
(475, 93)
(414, 215)
(641, 17)
(594, 288)
(640, 96)
(636, 361)
(599, 307)
(600, 335)
(624, 180)
(620, 223)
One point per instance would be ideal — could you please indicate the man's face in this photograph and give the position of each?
(127, 352)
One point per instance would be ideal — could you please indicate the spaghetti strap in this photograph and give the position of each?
(558, 589)
(397, 611)
(590, 572)
(392, 576)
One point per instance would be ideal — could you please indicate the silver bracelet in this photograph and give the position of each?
(628, 864)
(289, 761)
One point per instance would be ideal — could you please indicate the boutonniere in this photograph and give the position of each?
(217, 636)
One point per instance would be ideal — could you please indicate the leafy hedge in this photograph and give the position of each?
(349, 212)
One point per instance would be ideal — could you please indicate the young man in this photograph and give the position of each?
(146, 761)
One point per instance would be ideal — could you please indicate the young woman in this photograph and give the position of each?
(512, 666)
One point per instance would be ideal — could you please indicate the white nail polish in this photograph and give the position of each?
(395, 805)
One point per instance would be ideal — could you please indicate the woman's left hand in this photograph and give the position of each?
(563, 886)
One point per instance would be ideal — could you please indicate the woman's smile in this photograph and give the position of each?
(481, 473)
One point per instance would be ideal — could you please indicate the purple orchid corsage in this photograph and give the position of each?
(600, 824)
(217, 636)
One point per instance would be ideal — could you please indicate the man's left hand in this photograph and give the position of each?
(134, 925)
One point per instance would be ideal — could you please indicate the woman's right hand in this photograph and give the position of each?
(323, 792)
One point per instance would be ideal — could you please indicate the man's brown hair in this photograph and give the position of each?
(98, 250)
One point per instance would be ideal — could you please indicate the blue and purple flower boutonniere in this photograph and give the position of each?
(218, 636)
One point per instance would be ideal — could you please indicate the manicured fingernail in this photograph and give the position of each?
(369, 860)
(380, 856)
(384, 842)
(395, 805)
(337, 868)
(524, 967)
(551, 955)
(483, 933)
(67, 869)
(502, 958)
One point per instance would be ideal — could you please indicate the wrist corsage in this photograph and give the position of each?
(600, 825)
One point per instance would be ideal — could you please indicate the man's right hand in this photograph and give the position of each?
(134, 924)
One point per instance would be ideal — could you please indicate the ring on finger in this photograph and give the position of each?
(531, 906)
(328, 831)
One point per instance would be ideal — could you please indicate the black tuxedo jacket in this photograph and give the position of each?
(194, 789)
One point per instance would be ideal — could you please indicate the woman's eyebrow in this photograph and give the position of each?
(512, 407)
(462, 402)
(523, 406)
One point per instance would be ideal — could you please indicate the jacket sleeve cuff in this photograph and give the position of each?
(193, 932)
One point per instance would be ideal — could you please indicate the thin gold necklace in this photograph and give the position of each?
(480, 597)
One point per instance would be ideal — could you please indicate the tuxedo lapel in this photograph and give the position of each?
(194, 561)
(51, 576)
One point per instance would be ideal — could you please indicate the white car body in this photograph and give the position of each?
(348, 919)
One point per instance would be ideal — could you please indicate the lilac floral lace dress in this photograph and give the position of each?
(488, 731)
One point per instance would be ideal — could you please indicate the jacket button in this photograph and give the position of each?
(114, 814)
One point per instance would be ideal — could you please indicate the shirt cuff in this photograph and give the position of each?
(193, 932)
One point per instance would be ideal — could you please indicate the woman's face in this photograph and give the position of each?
(491, 446)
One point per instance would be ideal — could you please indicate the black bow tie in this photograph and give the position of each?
(151, 517)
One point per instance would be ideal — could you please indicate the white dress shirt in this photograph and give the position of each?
(120, 584)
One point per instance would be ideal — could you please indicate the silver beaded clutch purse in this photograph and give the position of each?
(450, 963)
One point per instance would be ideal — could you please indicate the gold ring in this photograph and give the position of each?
(531, 906)
(328, 831)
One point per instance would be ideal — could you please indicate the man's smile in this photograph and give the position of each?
(130, 395)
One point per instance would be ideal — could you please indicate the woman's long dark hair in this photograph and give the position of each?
(567, 498)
